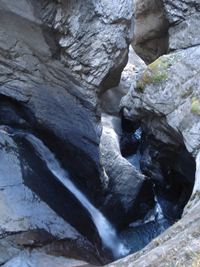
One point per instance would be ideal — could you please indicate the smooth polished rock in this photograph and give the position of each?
(150, 29)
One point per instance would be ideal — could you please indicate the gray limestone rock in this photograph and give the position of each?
(93, 38)
(56, 58)
(166, 98)
(33, 77)
(183, 17)
(150, 29)
(40, 258)
(164, 26)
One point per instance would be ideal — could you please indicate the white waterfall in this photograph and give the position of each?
(105, 229)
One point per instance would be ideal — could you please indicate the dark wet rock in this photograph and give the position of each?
(165, 100)
(177, 245)
(37, 212)
(172, 171)
(59, 83)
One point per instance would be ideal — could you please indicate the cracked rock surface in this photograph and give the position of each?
(94, 38)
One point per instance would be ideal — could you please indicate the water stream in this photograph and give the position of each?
(106, 231)
(130, 240)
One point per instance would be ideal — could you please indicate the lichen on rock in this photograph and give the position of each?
(156, 72)
(195, 107)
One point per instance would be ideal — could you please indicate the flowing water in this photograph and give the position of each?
(130, 240)
(141, 232)
(105, 229)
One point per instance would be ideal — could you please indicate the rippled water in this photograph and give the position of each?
(135, 238)
(140, 233)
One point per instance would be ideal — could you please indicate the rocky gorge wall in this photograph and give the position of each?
(56, 58)
(164, 98)
(61, 65)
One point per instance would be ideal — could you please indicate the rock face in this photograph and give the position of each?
(31, 75)
(93, 38)
(183, 17)
(28, 221)
(165, 99)
(56, 63)
(56, 58)
(60, 59)
(150, 29)
(161, 27)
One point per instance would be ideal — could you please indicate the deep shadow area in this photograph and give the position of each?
(139, 206)
(16, 115)
(171, 168)
(81, 167)
(172, 171)
(82, 170)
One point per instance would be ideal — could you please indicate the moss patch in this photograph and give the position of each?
(156, 72)
(195, 107)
